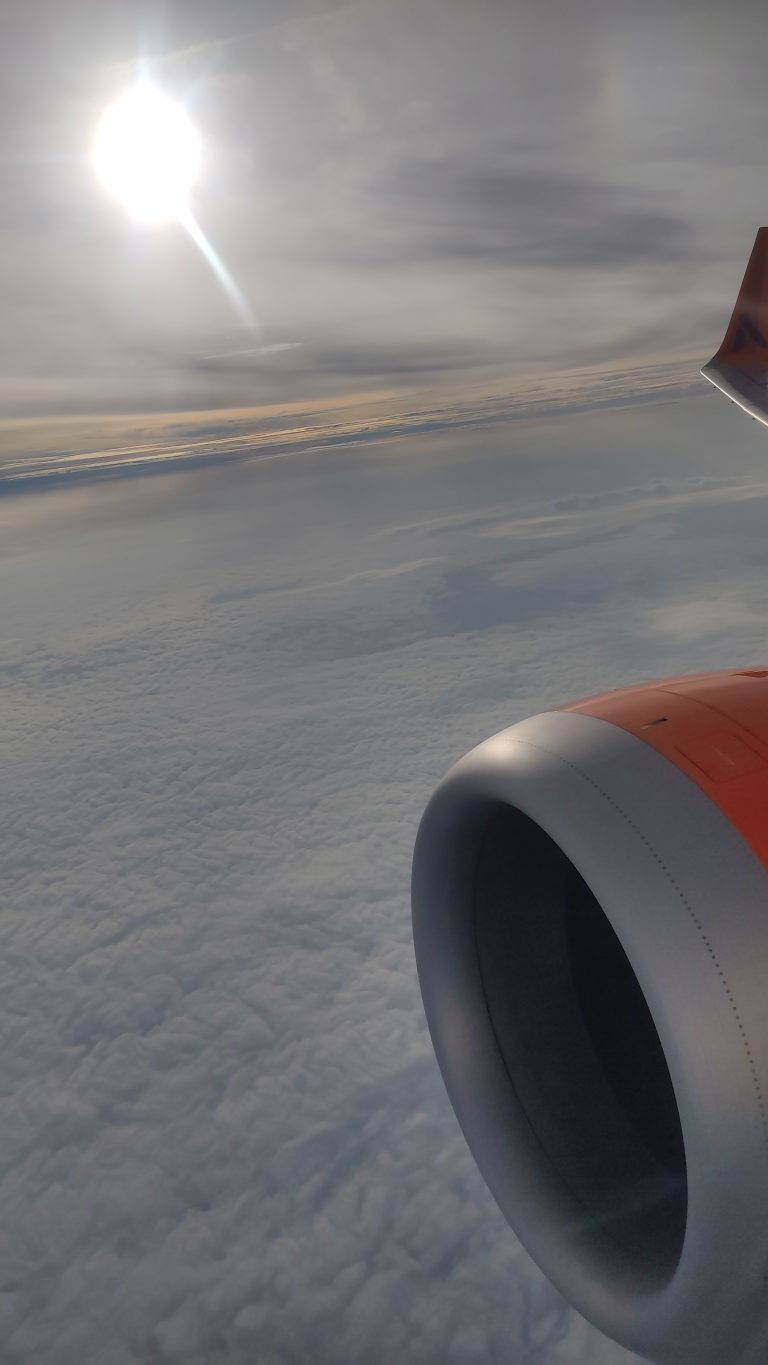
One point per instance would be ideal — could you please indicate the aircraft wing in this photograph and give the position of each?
(740, 367)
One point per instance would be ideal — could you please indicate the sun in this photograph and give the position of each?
(147, 154)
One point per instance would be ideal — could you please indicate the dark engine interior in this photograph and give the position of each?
(580, 1046)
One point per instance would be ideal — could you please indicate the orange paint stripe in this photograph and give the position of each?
(714, 728)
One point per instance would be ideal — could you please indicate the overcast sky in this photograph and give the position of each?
(410, 193)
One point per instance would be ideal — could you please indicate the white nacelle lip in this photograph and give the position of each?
(687, 899)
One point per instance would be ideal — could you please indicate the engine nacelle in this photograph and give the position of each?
(590, 909)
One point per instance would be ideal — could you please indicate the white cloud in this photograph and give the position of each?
(226, 697)
(701, 618)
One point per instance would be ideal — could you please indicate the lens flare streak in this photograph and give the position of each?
(226, 279)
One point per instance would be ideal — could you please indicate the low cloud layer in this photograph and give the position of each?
(227, 696)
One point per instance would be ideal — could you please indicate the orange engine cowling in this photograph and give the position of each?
(590, 911)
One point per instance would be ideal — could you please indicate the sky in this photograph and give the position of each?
(412, 197)
(260, 587)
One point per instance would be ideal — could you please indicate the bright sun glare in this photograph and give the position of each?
(147, 154)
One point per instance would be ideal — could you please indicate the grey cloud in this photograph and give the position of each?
(559, 221)
(367, 358)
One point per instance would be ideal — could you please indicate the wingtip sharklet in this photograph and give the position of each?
(739, 368)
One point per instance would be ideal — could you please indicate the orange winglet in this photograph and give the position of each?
(745, 344)
(712, 726)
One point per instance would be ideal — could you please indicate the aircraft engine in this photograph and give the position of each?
(590, 913)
